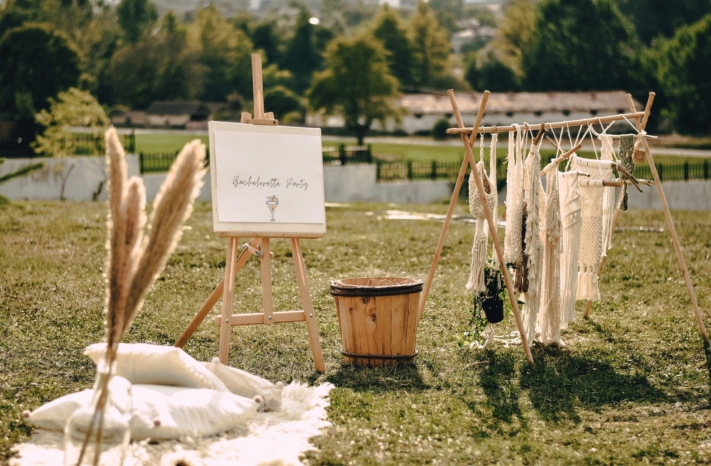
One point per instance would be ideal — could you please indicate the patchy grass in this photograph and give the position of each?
(631, 386)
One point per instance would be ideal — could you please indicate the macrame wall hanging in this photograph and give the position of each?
(596, 224)
(513, 239)
(476, 277)
(571, 219)
(608, 196)
(549, 321)
(532, 239)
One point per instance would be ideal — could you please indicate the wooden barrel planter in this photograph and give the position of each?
(378, 319)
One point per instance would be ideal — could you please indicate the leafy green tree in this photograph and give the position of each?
(161, 67)
(302, 56)
(448, 12)
(514, 33)
(265, 38)
(71, 108)
(430, 46)
(356, 84)
(224, 52)
(37, 64)
(580, 45)
(136, 18)
(280, 100)
(389, 30)
(654, 18)
(485, 71)
(682, 63)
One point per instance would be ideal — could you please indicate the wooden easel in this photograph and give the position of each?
(259, 247)
(640, 119)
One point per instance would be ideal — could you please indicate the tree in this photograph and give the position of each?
(265, 38)
(136, 18)
(30, 55)
(389, 30)
(514, 33)
(71, 108)
(580, 45)
(356, 84)
(281, 101)
(682, 65)
(161, 67)
(655, 18)
(302, 57)
(225, 53)
(485, 71)
(430, 46)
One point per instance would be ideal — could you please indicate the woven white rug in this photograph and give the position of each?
(276, 438)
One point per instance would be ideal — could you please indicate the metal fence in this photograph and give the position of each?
(79, 144)
(332, 155)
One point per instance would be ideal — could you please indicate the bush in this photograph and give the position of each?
(439, 130)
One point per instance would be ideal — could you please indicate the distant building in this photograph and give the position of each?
(423, 110)
(177, 114)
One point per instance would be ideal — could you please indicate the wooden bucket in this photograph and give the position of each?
(378, 319)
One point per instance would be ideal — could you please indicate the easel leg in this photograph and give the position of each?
(309, 313)
(229, 288)
(267, 305)
(214, 297)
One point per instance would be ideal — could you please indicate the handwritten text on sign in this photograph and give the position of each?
(269, 176)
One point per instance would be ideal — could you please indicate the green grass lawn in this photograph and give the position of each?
(169, 143)
(631, 386)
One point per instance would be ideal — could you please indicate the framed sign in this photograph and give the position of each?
(267, 180)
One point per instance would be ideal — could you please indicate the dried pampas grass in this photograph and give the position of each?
(134, 259)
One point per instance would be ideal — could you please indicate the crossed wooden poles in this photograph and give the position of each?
(640, 119)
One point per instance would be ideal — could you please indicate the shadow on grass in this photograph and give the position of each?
(560, 382)
(707, 353)
(498, 378)
(378, 379)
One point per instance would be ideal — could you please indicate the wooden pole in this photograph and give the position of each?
(672, 231)
(450, 211)
(492, 224)
(229, 288)
(548, 126)
(257, 86)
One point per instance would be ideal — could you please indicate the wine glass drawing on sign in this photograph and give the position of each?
(272, 203)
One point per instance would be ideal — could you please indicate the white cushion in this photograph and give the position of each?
(142, 363)
(160, 412)
(245, 384)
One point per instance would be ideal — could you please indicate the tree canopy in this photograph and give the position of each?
(430, 46)
(391, 32)
(356, 84)
(136, 17)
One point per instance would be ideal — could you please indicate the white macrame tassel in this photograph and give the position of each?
(570, 207)
(476, 278)
(549, 320)
(513, 254)
(608, 197)
(534, 247)
(492, 178)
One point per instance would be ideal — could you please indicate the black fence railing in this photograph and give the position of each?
(77, 143)
(332, 155)
(344, 154)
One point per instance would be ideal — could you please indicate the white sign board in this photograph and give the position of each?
(267, 180)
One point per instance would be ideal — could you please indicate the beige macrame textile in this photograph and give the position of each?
(513, 253)
(533, 245)
(549, 321)
(571, 219)
(596, 224)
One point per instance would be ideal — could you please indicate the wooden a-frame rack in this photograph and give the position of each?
(260, 248)
(640, 119)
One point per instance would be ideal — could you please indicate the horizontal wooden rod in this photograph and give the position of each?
(259, 318)
(548, 126)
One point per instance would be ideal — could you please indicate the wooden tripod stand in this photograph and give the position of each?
(259, 247)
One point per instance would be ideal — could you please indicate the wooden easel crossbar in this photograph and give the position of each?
(640, 119)
(259, 247)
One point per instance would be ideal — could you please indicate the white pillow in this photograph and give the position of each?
(142, 363)
(161, 412)
(243, 383)
(54, 415)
